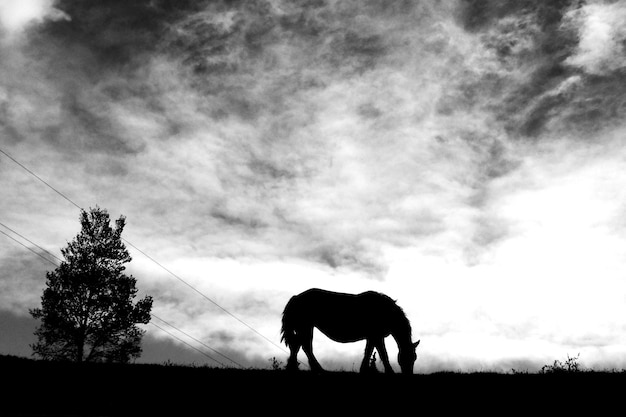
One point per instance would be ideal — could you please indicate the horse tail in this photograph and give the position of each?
(288, 329)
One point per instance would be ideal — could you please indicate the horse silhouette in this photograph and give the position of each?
(347, 318)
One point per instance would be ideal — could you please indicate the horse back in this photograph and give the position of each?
(344, 317)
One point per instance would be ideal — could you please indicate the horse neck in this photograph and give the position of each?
(402, 335)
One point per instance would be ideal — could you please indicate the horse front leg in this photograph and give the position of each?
(382, 352)
(365, 365)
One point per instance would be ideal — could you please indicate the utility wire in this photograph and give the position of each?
(205, 296)
(29, 248)
(31, 242)
(151, 258)
(191, 346)
(40, 179)
(153, 315)
(199, 341)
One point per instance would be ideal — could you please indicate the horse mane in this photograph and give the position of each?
(397, 310)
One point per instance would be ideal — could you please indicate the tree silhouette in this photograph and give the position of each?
(87, 311)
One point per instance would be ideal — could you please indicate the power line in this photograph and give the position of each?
(199, 341)
(151, 314)
(40, 179)
(31, 242)
(205, 296)
(152, 259)
(191, 346)
(29, 248)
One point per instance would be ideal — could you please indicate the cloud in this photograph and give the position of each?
(280, 158)
(22, 279)
(17, 333)
(543, 79)
(600, 27)
(17, 15)
(275, 135)
(157, 347)
(259, 148)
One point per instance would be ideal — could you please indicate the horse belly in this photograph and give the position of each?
(342, 337)
(344, 330)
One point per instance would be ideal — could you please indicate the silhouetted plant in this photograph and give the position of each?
(86, 310)
(570, 365)
(275, 364)
(372, 366)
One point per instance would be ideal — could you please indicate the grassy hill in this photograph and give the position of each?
(53, 388)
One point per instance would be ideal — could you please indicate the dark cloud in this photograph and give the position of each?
(84, 70)
(267, 170)
(227, 219)
(251, 303)
(122, 76)
(532, 92)
(222, 337)
(22, 278)
(98, 131)
(476, 15)
(526, 36)
(498, 162)
(369, 111)
(103, 59)
(17, 333)
(362, 50)
(11, 134)
(165, 349)
(226, 44)
(349, 256)
(115, 33)
(598, 103)
(251, 82)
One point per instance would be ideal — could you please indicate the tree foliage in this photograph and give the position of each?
(87, 311)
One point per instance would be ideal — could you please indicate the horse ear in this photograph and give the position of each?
(416, 343)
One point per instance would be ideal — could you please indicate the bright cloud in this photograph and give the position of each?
(601, 27)
(15, 15)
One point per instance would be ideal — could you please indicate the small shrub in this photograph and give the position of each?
(372, 366)
(275, 364)
(571, 365)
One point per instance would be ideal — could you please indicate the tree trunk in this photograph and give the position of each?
(80, 346)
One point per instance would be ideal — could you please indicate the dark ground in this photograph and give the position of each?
(38, 388)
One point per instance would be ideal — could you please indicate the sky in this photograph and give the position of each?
(464, 157)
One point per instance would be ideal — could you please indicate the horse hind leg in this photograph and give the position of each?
(307, 347)
(369, 348)
(294, 348)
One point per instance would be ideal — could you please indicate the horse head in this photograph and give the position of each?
(407, 357)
